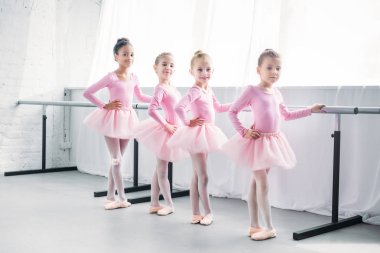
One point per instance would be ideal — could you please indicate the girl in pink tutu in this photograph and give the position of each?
(116, 119)
(263, 145)
(154, 133)
(199, 136)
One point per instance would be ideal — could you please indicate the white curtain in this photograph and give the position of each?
(330, 43)
(322, 43)
(229, 31)
(319, 45)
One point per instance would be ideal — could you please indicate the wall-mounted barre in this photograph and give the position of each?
(70, 103)
(326, 109)
(340, 110)
(351, 110)
(369, 110)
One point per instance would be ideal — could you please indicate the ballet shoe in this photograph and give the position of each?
(196, 219)
(165, 211)
(116, 205)
(264, 235)
(253, 230)
(154, 209)
(107, 202)
(207, 220)
(124, 204)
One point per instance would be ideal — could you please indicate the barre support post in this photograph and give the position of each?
(335, 222)
(43, 155)
(44, 117)
(135, 163)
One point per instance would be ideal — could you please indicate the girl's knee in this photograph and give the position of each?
(264, 189)
(162, 176)
(161, 163)
(203, 179)
(115, 161)
(195, 179)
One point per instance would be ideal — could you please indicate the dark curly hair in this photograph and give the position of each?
(121, 43)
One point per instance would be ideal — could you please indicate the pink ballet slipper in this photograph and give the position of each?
(253, 230)
(108, 201)
(196, 219)
(116, 205)
(154, 209)
(165, 211)
(207, 220)
(264, 235)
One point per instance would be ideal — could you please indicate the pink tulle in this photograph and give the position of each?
(199, 139)
(271, 149)
(154, 136)
(112, 123)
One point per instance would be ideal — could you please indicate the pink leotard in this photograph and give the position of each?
(118, 90)
(166, 98)
(203, 104)
(266, 109)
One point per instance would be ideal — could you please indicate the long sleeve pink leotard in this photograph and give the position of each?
(166, 98)
(118, 90)
(203, 104)
(266, 109)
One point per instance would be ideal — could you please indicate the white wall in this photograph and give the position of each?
(45, 45)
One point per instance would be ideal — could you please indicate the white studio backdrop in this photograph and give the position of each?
(224, 29)
(321, 43)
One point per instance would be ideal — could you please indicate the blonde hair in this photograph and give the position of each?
(267, 53)
(162, 55)
(199, 55)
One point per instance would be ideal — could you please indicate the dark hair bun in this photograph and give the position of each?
(122, 40)
(121, 43)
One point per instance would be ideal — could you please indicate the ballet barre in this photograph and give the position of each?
(335, 222)
(136, 186)
(44, 118)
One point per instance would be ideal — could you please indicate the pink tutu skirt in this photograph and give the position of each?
(154, 136)
(271, 149)
(199, 139)
(112, 123)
